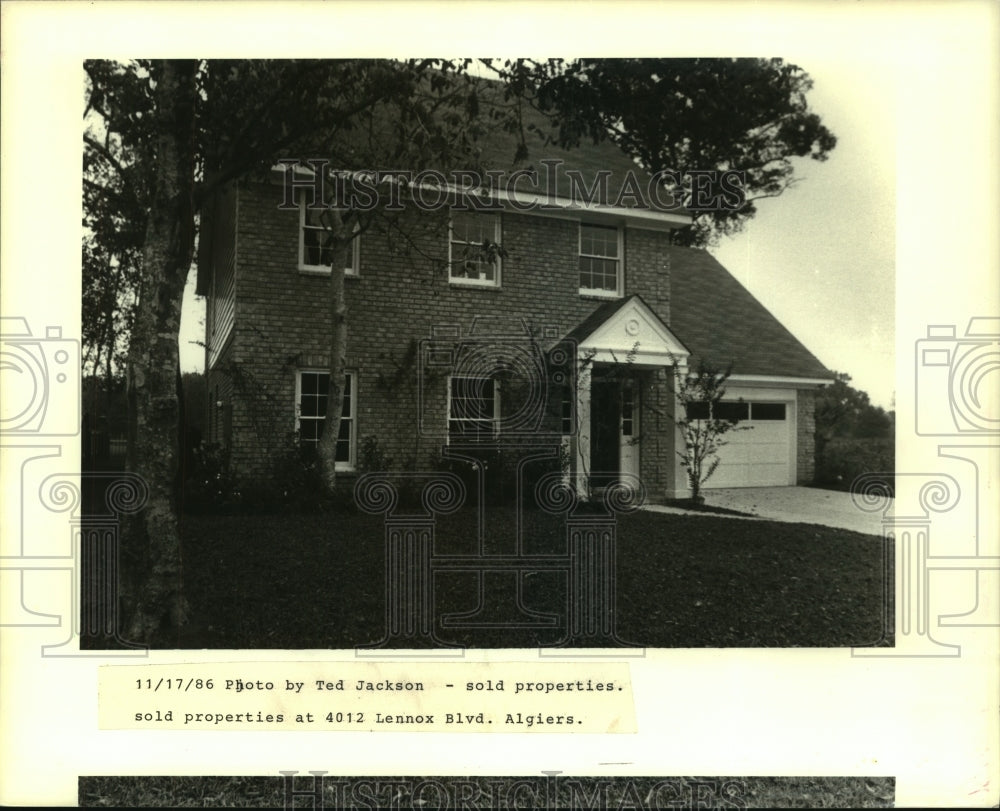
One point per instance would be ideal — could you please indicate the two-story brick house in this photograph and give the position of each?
(427, 327)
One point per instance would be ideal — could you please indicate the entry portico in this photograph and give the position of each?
(625, 398)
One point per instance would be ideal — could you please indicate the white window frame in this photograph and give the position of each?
(567, 410)
(630, 396)
(497, 236)
(495, 419)
(322, 270)
(351, 463)
(619, 260)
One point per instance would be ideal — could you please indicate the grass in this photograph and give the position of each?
(493, 792)
(693, 506)
(317, 581)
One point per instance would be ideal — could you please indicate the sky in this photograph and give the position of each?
(821, 256)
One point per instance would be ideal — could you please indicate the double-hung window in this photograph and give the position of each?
(473, 239)
(312, 388)
(600, 260)
(316, 243)
(473, 408)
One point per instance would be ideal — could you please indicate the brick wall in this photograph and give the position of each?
(399, 296)
(806, 437)
(656, 430)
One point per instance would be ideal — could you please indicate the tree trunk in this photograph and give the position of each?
(153, 599)
(109, 379)
(327, 450)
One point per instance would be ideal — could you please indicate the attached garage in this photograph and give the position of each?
(761, 452)
(724, 326)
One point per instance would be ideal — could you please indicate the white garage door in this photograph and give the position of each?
(761, 456)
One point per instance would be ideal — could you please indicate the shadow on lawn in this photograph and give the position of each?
(318, 581)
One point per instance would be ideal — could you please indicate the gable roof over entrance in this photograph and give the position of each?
(627, 331)
(720, 321)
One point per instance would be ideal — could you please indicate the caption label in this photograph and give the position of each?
(369, 697)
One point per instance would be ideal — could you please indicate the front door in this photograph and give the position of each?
(614, 430)
(605, 442)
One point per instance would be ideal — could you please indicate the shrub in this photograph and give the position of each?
(295, 485)
(210, 486)
(371, 457)
(500, 470)
(842, 460)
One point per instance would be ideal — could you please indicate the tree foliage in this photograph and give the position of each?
(679, 115)
(843, 411)
(116, 184)
(702, 427)
(160, 138)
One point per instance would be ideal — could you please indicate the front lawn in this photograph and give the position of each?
(317, 581)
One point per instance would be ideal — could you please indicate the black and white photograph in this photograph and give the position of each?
(558, 415)
(350, 386)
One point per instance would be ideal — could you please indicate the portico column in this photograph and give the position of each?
(583, 428)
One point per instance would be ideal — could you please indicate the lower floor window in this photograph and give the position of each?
(473, 408)
(313, 389)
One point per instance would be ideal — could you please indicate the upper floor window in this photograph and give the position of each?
(316, 243)
(600, 260)
(312, 389)
(473, 255)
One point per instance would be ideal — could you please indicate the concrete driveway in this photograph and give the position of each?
(797, 505)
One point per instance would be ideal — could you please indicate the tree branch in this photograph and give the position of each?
(105, 153)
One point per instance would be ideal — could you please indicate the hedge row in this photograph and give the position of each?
(841, 461)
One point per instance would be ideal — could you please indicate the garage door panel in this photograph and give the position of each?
(735, 454)
(767, 475)
(773, 453)
(758, 457)
(728, 475)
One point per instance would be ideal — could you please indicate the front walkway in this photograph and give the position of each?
(797, 505)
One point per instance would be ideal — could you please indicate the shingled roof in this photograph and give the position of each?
(498, 148)
(719, 320)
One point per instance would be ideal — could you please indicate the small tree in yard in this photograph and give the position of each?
(702, 426)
